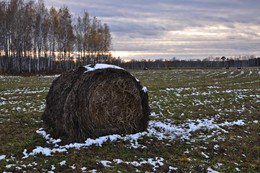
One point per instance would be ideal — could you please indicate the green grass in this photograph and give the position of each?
(178, 96)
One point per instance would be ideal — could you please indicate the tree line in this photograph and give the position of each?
(210, 62)
(34, 38)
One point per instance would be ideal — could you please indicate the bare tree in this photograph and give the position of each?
(223, 59)
(34, 39)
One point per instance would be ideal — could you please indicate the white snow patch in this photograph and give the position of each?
(167, 130)
(118, 161)
(210, 170)
(145, 89)
(161, 130)
(205, 155)
(42, 150)
(62, 163)
(3, 99)
(220, 164)
(101, 66)
(2, 157)
(18, 168)
(53, 167)
(171, 168)
(216, 147)
(10, 166)
(93, 171)
(213, 87)
(52, 76)
(73, 167)
(83, 169)
(105, 163)
(153, 114)
(238, 123)
(3, 103)
(89, 142)
(47, 137)
(154, 162)
(25, 154)
(237, 169)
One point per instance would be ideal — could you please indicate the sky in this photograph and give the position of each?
(185, 29)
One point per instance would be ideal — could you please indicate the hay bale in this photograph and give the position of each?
(96, 101)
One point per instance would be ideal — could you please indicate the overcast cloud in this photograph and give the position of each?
(152, 29)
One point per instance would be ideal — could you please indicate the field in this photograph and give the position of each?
(202, 120)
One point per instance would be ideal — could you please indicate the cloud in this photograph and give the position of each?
(180, 28)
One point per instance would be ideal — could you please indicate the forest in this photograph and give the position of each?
(209, 62)
(34, 38)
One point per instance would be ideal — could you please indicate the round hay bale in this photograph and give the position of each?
(96, 101)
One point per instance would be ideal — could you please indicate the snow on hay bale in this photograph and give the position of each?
(93, 101)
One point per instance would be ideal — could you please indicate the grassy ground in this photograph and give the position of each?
(212, 118)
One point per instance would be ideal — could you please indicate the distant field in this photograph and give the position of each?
(203, 120)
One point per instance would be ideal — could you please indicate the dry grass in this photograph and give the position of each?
(181, 97)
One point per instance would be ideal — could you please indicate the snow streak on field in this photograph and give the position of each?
(200, 119)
